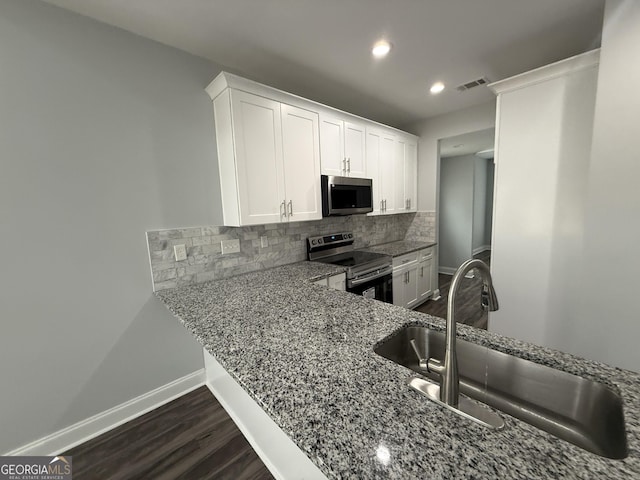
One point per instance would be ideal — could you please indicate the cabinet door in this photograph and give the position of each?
(411, 174)
(412, 286)
(258, 144)
(373, 142)
(388, 173)
(400, 198)
(399, 288)
(332, 157)
(425, 275)
(354, 149)
(301, 155)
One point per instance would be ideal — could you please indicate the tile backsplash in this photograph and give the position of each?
(286, 244)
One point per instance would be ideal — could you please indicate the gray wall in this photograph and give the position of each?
(466, 201)
(456, 210)
(606, 325)
(488, 218)
(103, 135)
(480, 205)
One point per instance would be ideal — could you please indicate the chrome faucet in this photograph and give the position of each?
(448, 369)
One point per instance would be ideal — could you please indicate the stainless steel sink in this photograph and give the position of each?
(583, 412)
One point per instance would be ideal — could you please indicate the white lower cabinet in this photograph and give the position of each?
(412, 278)
(425, 273)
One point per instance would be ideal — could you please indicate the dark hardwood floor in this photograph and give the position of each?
(468, 309)
(190, 438)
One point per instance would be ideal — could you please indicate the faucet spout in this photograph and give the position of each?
(448, 369)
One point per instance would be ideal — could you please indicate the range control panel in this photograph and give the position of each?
(328, 240)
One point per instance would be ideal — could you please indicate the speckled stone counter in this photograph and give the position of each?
(305, 355)
(395, 249)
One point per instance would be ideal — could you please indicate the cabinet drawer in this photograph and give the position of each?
(426, 254)
(404, 260)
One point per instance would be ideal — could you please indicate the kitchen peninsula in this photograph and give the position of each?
(305, 354)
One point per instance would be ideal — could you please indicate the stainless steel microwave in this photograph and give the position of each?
(346, 195)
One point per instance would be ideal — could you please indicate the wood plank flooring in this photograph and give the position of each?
(190, 438)
(468, 309)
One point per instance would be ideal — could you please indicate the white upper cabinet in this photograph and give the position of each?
(342, 147)
(273, 147)
(382, 168)
(411, 174)
(406, 183)
(301, 153)
(354, 149)
(269, 159)
(258, 159)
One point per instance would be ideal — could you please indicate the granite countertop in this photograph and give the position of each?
(395, 249)
(305, 354)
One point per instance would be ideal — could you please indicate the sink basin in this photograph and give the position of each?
(583, 412)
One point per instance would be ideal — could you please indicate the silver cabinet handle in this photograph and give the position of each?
(422, 271)
(409, 203)
(344, 164)
(382, 205)
(348, 164)
(291, 208)
(406, 204)
(385, 204)
(283, 209)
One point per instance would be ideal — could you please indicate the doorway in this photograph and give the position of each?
(465, 198)
(464, 218)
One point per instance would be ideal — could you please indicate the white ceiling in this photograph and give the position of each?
(320, 49)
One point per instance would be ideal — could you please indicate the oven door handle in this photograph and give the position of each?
(368, 278)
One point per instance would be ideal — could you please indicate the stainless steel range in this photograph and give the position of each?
(368, 274)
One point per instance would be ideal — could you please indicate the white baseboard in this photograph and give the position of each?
(80, 432)
(480, 249)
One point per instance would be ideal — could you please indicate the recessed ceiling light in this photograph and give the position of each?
(381, 48)
(437, 88)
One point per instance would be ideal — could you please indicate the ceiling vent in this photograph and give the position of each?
(474, 83)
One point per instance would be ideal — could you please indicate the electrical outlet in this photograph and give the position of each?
(264, 241)
(230, 246)
(180, 252)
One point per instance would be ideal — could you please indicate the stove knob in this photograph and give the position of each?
(351, 235)
(320, 241)
(313, 242)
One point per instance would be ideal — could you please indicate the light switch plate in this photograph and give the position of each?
(180, 252)
(230, 246)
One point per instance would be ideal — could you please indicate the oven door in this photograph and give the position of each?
(380, 287)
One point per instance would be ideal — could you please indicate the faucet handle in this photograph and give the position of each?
(422, 362)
